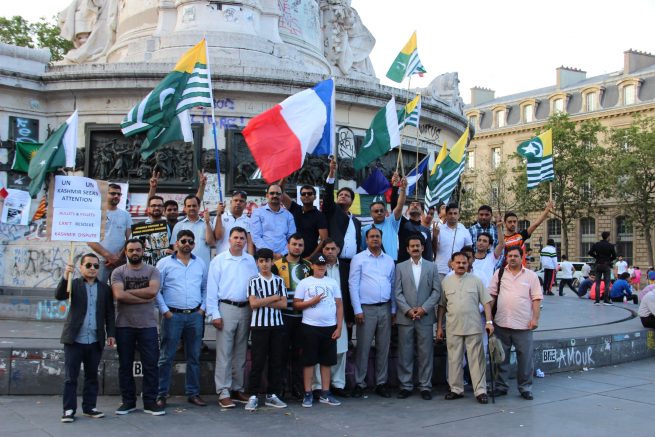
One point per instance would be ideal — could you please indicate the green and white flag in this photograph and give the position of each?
(443, 181)
(406, 63)
(186, 87)
(57, 152)
(382, 136)
(23, 155)
(410, 114)
(538, 152)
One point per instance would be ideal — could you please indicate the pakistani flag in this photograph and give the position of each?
(382, 136)
(538, 152)
(23, 155)
(410, 114)
(444, 180)
(406, 63)
(53, 154)
(186, 87)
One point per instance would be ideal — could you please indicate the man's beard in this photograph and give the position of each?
(134, 262)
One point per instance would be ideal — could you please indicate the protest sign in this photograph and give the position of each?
(16, 210)
(155, 240)
(76, 212)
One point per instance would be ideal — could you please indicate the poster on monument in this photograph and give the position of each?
(76, 213)
(16, 209)
(155, 240)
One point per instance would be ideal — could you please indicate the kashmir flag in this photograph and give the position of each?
(414, 175)
(410, 114)
(442, 183)
(406, 63)
(187, 86)
(23, 155)
(538, 152)
(429, 202)
(52, 155)
(382, 136)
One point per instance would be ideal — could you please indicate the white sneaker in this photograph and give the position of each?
(274, 401)
(252, 403)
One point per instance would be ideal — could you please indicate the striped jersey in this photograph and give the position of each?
(260, 287)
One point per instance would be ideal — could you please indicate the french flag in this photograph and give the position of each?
(303, 123)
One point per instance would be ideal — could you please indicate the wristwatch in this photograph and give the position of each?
(489, 322)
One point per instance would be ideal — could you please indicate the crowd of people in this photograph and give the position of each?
(300, 284)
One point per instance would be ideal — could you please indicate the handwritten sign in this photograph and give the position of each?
(76, 192)
(76, 209)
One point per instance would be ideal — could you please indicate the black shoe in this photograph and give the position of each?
(340, 392)
(357, 392)
(68, 417)
(426, 395)
(125, 409)
(161, 402)
(154, 409)
(404, 394)
(495, 393)
(383, 390)
(483, 398)
(94, 414)
(527, 395)
(451, 395)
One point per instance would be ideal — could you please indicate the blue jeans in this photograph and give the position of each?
(74, 355)
(145, 341)
(189, 327)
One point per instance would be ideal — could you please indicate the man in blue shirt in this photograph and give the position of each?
(621, 288)
(181, 302)
(484, 224)
(271, 225)
(586, 284)
(389, 225)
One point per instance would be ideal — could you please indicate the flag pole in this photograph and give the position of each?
(418, 123)
(211, 96)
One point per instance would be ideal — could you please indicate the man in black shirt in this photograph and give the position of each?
(412, 226)
(604, 253)
(310, 222)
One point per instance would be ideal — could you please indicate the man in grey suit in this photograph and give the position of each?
(418, 290)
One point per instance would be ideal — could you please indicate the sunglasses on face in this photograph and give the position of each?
(114, 194)
(377, 211)
(307, 193)
(89, 265)
(274, 193)
(189, 242)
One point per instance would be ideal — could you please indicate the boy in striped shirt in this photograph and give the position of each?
(267, 295)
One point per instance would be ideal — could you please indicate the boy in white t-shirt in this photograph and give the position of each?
(319, 298)
(567, 269)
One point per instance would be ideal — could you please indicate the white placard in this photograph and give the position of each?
(16, 209)
(75, 224)
(76, 192)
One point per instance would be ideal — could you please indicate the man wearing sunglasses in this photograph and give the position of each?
(181, 302)
(310, 222)
(226, 220)
(271, 225)
(117, 230)
(90, 317)
(200, 226)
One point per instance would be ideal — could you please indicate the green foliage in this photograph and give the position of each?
(581, 169)
(632, 155)
(41, 34)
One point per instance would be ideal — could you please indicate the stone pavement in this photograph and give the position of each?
(610, 401)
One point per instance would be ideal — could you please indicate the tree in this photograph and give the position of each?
(580, 165)
(41, 34)
(632, 155)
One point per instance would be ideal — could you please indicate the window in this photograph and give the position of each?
(473, 120)
(470, 160)
(629, 95)
(523, 225)
(495, 193)
(624, 238)
(587, 235)
(586, 190)
(501, 118)
(495, 157)
(558, 105)
(591, 100)
(528, 114)
(554, 231)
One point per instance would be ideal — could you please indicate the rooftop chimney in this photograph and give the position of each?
(567, 76)
(481, 95)
(634, 60)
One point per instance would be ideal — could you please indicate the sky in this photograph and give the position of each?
(509, 46)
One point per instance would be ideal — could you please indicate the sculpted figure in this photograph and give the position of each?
(91, 26)
(445, 87)
(347, 43)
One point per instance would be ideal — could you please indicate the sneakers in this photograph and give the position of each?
(94, 414)
(68, 417)
(608, 303)
(327, 398)
(596, 303)
(273, 401)
(308, 400)
(154, 409)
(252, 403)
(125, 409)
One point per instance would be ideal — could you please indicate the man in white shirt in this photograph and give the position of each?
(567, 270)
(549, 263)
(452, 236)
(226, 220)
(484, 262)
(621, 266)
(227, 305)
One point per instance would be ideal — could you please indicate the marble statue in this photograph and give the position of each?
(347, 42)
(91, 26)
(445, 87)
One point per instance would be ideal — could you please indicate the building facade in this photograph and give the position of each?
(502, 123)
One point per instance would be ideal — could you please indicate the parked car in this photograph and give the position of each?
(577, 275)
